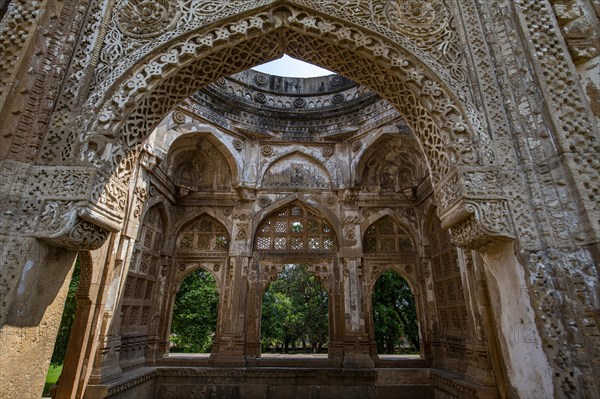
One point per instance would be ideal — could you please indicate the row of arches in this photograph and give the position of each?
(290, 232)
(202, 162)
(292, 226)
(294, 310)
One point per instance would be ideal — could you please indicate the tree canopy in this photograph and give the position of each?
(195, 313)
(295, 309)
(394, 313)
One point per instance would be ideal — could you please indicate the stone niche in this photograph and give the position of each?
(196, 164)
(296, 171)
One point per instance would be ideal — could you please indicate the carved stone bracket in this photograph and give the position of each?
(79, 207)
(473, 205)
(464, 183)
(78, 234)
(478, 223)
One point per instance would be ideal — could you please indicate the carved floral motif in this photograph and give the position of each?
(144, 19)
(417, 17)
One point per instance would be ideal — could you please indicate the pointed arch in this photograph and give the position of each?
(295, 228)
(325, 212)
(202, 234)
(403, 151)
(200, 162)
(132, 104)
(399, 219)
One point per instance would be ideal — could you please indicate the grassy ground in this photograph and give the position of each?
(53, 374)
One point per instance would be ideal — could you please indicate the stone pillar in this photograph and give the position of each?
(336, 315)
(239, 316)
(35, 282)
(106, 358)
(160, 327)
(356, 339)
(86, 325)
(527, 365)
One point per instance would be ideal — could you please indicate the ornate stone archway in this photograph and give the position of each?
(125, 107)
(72, 151)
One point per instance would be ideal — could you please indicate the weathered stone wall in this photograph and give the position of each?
(501, 99)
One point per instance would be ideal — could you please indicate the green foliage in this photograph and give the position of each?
(66, 322)
(394, 313)
(51, 378)
(195, 313)
(295, 308)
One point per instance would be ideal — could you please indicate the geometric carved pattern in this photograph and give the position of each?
(295, 229)
(204, 234)
(449, 296)
(386, 236)
(139, 290)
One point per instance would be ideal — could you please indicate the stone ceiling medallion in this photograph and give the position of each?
(261, 80)
(144, 19)
(267, 150)
(178, 117)
(417, 18)
(327, 151)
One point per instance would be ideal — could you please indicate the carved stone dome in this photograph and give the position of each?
(326, 108)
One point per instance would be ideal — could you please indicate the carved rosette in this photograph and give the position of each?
(144, 19)
(418, 18)
(178, 117)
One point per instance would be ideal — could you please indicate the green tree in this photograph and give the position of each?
(195, 313)
(66, 322)
(394, 313)
(281, 325)
(295, 307)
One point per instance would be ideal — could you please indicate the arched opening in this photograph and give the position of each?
(190, 310)
(295, 315)
(295, 233)
(425, 73)
(195, 314)
(429, 103)
(395, 313)
(396, 327)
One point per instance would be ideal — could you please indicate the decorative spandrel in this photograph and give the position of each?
(295, 229)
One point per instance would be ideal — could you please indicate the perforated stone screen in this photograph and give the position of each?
(386, 236)
(295, 229)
